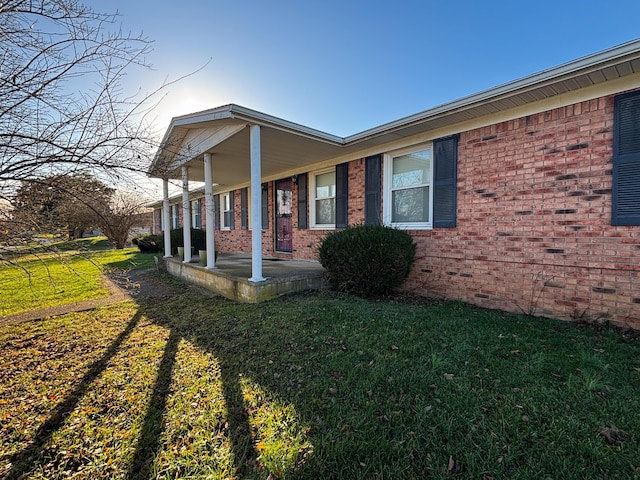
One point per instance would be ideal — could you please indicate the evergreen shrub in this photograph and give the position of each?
(367, 260)
(147, 243)
(198, 240)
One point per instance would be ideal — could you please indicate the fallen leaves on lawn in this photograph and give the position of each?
(613, 435)
(453, 466)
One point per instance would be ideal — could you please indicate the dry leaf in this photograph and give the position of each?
(613, 435)
(453, 466)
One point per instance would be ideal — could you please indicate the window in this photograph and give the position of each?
(408, 178)
(226, 210)
(196, 214)
(175, 219)
(323, 204)
(420, 186)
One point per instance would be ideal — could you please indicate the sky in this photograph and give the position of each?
(345, 66)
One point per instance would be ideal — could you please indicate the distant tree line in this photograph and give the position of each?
(66, 120)
(70, 205)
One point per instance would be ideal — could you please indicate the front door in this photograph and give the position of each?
(284, 227)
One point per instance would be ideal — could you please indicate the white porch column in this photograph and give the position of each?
(186, 217)
(209, 212)
(165, 218)
(256, 210)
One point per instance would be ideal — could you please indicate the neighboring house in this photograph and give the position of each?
(525, 197)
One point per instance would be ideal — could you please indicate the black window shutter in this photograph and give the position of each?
(372, 168)
(626, 160)
(445, 160)
(216, 212)
(231, 215)
(265, 206)
(342, 195)
(302, 200)
(243, 209)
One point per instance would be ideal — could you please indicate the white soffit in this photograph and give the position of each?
(288, 145)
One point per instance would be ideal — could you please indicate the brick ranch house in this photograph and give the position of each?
(525, 197)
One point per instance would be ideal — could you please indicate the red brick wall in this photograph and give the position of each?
(534, 228)
(307, 241)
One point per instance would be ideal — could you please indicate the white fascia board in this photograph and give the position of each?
(263, 119)
(571, 69)
(218, 113)
(582, 65)
(238, 112)
(243, 114)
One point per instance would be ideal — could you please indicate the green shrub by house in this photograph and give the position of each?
(147, 243)
(367, 260)
(198, 240)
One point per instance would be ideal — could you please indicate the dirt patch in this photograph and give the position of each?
(134, 284)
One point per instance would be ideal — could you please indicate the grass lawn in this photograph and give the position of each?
(62, 273)
(316, 386)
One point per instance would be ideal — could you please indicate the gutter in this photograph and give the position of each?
(584, 64)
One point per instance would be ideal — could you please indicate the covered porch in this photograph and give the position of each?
(231, 149)
(230, 277)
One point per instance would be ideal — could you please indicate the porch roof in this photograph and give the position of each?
(287, 146)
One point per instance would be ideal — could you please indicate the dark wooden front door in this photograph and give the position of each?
(284, 226)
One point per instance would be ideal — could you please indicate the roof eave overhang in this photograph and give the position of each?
(573, 76)
(235, 113)
(546, 78)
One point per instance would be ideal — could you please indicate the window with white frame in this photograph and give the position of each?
(323, 202)
(175, 219)
(196, 214)
(225, 210)
(408, 189)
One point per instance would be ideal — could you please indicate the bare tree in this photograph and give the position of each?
(51, 123)
(117, 218)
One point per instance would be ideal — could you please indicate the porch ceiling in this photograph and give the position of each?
(280, 152)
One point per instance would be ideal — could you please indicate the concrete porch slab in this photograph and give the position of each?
(231, 276)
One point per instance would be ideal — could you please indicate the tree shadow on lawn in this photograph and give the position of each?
(363, 389)
(148, 445)
(23, 462)
(153, 425)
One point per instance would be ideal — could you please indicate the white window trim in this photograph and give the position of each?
(222, 205)
(311, 194)
(196, 203)
(387, 197)
(175, 218)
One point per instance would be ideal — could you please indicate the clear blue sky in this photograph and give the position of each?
(345, 66)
